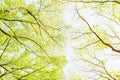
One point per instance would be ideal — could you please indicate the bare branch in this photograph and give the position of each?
(116, 50)
(99, 68)
(89, 44)
(33, 71)
(114, 1)
(5, 32)
(108, 18)
(5, 48)
(81, 34)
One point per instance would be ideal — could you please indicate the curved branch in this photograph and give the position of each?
(107, 44)
(114, 1)
(22, 37)
(33, 71)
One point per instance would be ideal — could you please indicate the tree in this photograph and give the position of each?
(95, 37)
(30, 35)
(34, 38)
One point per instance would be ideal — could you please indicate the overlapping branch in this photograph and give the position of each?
(100, 68)
(11, 67)
(22, 37)
(105, 43)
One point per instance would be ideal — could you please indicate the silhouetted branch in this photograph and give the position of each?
(108, 18)
(88, 45)
(5, 48)
(85, 33)
(33, 72)
(81, 1)
(105, 43)
(99, 68)
(16, 37)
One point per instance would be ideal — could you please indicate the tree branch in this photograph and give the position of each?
(115, 50)
(114, 1)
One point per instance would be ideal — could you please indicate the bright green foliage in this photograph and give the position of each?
(30, 40)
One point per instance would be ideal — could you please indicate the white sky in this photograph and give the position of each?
(113, 63)
(30, 1)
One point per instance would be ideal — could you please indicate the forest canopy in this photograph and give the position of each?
(59, 40)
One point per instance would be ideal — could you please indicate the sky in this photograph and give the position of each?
(77, 66)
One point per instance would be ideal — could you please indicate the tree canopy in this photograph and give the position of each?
(59, 40)
(30, 40)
